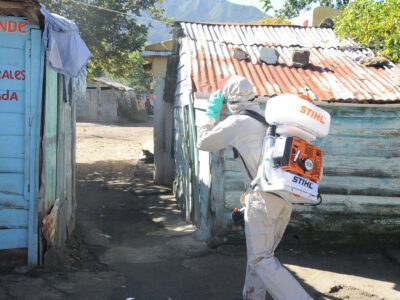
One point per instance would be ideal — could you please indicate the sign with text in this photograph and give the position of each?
(14, 33)
(12, 83)
(13, 26)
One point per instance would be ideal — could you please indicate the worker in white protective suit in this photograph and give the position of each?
(266, 215)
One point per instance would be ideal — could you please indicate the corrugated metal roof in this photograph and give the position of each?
(112, 83)
(265, 35)
(333, 74)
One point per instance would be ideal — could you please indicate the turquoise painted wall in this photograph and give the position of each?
(37, 149)
(21, 64)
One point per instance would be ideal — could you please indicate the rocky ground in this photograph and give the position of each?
(132, 243)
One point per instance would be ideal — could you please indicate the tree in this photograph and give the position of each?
(266, 5)
(137, 77)
(112, 32)
(374, 24)
(292, 8)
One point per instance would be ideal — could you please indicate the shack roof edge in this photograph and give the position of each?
(333, 74)
(178, 23)
(29, 9)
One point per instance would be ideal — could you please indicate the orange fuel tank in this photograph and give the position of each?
(297, 156)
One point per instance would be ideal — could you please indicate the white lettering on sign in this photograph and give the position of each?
(13, 26)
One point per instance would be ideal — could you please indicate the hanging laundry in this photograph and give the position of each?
(66, 52)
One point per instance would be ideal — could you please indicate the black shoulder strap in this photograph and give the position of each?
(236, 154)
(254, 115)
(259, 118)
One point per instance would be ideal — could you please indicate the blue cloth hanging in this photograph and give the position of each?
(66, 52)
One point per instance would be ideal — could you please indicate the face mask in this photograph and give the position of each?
(236, 106)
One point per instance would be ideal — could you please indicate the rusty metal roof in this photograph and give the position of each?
(333, 74)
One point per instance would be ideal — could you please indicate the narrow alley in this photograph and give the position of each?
(131, 241)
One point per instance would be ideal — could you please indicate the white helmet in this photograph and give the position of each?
(238, 92)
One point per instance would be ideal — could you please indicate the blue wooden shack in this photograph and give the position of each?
(361, 186)
(37, 134)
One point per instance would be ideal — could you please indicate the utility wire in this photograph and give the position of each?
(115, 11)
(101, 8)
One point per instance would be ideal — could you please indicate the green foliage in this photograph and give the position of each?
(137, 77)
(129, 115)
(266, 5)
(111, 36)
(374, 24)
(272, 21)
(292, 8)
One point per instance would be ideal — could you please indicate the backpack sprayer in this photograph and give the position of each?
(291, 166)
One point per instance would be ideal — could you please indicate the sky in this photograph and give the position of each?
(275, 3)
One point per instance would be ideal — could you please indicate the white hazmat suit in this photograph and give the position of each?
(266, 215)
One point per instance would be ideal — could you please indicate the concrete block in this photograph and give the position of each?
(376, 62)
(269, 56)
(300, 58)
(240, 54)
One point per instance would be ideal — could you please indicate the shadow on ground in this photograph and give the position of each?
(132, 242)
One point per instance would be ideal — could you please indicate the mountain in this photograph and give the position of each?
(202, 11)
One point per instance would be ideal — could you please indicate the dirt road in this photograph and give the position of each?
(132, 243)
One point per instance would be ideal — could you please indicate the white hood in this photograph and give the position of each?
(239, 93)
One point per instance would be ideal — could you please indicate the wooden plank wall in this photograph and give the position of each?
(87, 108)
(211, 209)
(362, 173)
(65, 165)
(57, 207)
(361, 185)
(362, 152)
(105, 105)
(163, 124)
(181, 184)
(50, 140)
(35, 85)
(186, 183)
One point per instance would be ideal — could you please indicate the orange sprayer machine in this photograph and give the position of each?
(291, 166)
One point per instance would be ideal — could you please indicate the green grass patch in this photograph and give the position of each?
(128, 115)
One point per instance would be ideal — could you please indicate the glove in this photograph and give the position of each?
(215, 104)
